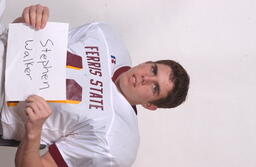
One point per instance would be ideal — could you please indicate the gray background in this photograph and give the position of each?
(215, 41)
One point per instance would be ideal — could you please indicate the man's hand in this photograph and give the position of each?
(37, 111)
(35, 16)
(27, 155)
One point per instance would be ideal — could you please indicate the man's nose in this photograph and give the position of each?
(149, 79)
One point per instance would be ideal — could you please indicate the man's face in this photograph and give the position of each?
(145, 83)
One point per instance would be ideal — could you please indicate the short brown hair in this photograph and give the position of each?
(180, 79)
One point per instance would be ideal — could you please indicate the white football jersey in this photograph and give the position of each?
(95, 126)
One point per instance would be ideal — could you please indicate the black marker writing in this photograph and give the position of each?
(28, 59)
(45, 63)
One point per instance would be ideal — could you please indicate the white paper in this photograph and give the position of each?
(36, 62)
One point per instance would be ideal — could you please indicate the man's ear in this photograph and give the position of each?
(149, 106)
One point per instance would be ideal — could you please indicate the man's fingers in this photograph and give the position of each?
(37, 111)
(45, 17)
(26, 16)
(30, 113)
(36, 16)
(41, 104)
(32, 16)
(31, 99)
(35, 98)
(39, 12)
(36, 108)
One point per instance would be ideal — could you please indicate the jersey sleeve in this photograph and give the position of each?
(118, 52)
(81, 33)
(78, 33)
(116, 48)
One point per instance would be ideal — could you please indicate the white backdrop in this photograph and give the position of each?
(215, 41)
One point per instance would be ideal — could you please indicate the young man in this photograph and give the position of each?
(97, 125)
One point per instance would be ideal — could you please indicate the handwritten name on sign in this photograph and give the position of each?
(43, 61)
(36, 62)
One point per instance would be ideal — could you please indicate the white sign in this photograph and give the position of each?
(36, 62)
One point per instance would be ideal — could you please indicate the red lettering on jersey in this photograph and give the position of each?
(96, 94)
(92, 47)
(96, 82)
(97, 101)
(93, 64)
(93, 60)
(95, 106)
(92, 53)
(98, 73)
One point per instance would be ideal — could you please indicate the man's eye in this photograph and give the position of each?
(155, 88)
(154, 69)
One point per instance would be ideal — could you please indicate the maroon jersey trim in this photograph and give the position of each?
(120, 71)
(55, 153)
(116, 75)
